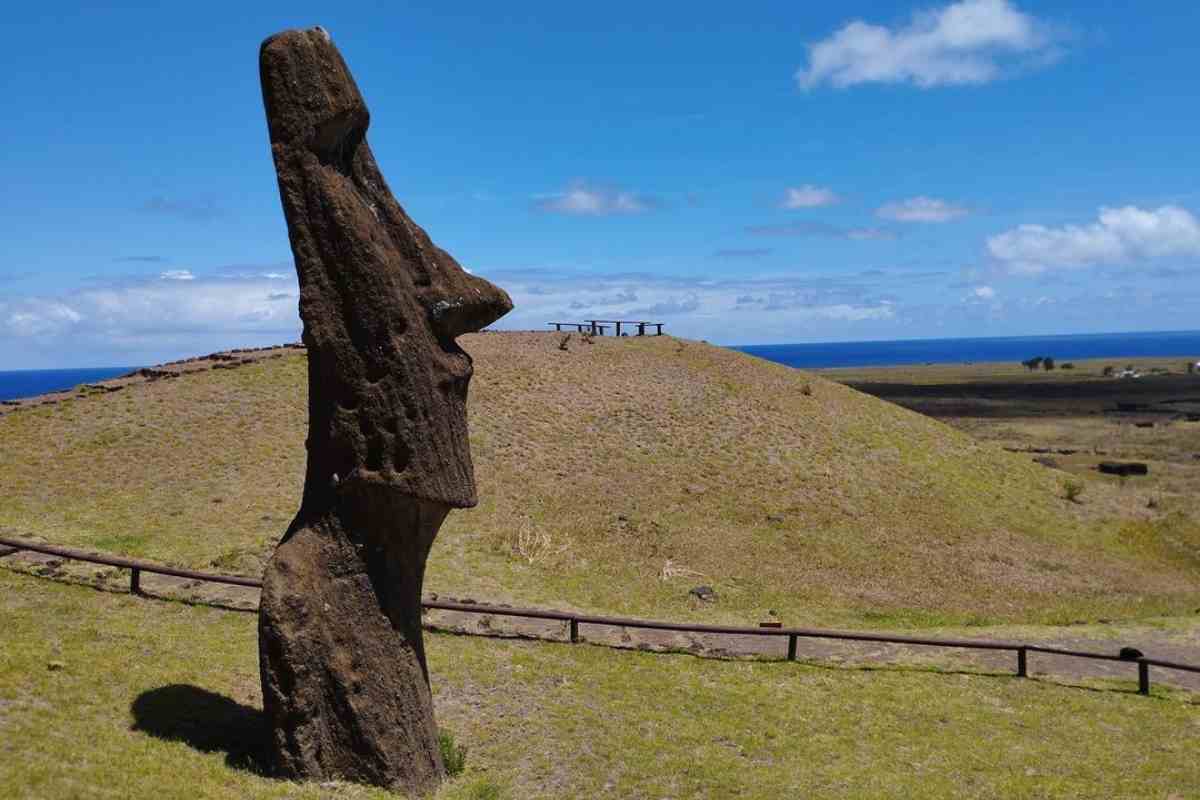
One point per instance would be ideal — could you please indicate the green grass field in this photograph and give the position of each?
(131, 711)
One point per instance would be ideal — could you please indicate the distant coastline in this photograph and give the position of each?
(1163, 344)
(17, 384)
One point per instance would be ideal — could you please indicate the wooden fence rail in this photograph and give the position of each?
(574, 620)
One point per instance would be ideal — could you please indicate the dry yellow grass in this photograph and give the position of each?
(614, 477)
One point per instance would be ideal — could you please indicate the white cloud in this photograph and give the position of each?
(1120, 235)
(36, 317)
(861, 234)
(667, 308)
(146, 311)
(823, 229)
(921, 209)
(582, 199)
(968, 42)
(590, 299)
(808, 196)
(849, 313)
(984, 293)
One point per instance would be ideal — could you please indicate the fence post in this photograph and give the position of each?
(574, 631)
(1143, 678)
(135, 581)
(1022, 663)
(791, 647)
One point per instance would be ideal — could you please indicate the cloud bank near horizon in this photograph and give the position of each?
(180, 312)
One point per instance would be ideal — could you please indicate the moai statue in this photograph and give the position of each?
(345, 684)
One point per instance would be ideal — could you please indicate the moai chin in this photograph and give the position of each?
(345, 685)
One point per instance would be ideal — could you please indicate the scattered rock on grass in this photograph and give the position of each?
(1123, 468)
(705, 594)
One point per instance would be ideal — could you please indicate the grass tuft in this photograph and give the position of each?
(1072, 489)
(454, 756)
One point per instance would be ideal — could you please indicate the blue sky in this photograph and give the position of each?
(768, 172)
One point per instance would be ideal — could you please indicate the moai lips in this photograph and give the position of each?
(345, 685)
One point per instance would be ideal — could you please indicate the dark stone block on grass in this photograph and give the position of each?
(1123, 468)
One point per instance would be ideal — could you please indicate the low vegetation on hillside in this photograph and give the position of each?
(1073, 421)
(616, 475)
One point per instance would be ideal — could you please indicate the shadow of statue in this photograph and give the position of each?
(207, 721)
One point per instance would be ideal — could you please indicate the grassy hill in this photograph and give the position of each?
(615, 476)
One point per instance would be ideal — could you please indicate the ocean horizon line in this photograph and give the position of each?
(990, 349)
(1027, 336)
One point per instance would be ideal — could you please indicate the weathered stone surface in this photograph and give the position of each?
(345, 685)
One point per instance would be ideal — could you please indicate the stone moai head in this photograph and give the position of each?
(381, 304)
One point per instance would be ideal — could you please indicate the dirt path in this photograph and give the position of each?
(1178, 640)
(1176, 644)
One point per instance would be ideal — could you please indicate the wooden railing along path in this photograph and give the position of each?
(574, 620)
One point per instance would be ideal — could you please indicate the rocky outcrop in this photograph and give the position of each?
(345, 685)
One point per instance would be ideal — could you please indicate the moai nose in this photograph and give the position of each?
(467, 303)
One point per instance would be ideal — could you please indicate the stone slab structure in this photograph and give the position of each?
(345, 684)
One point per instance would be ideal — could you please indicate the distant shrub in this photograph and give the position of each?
(1032, 363)
(806, 390)
(1067, 365)
(1109, 371)
(454, 756)
(1047, 363)
(1072, 489)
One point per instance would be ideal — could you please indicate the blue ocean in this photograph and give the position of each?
(31, 382)
(1184, 344)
